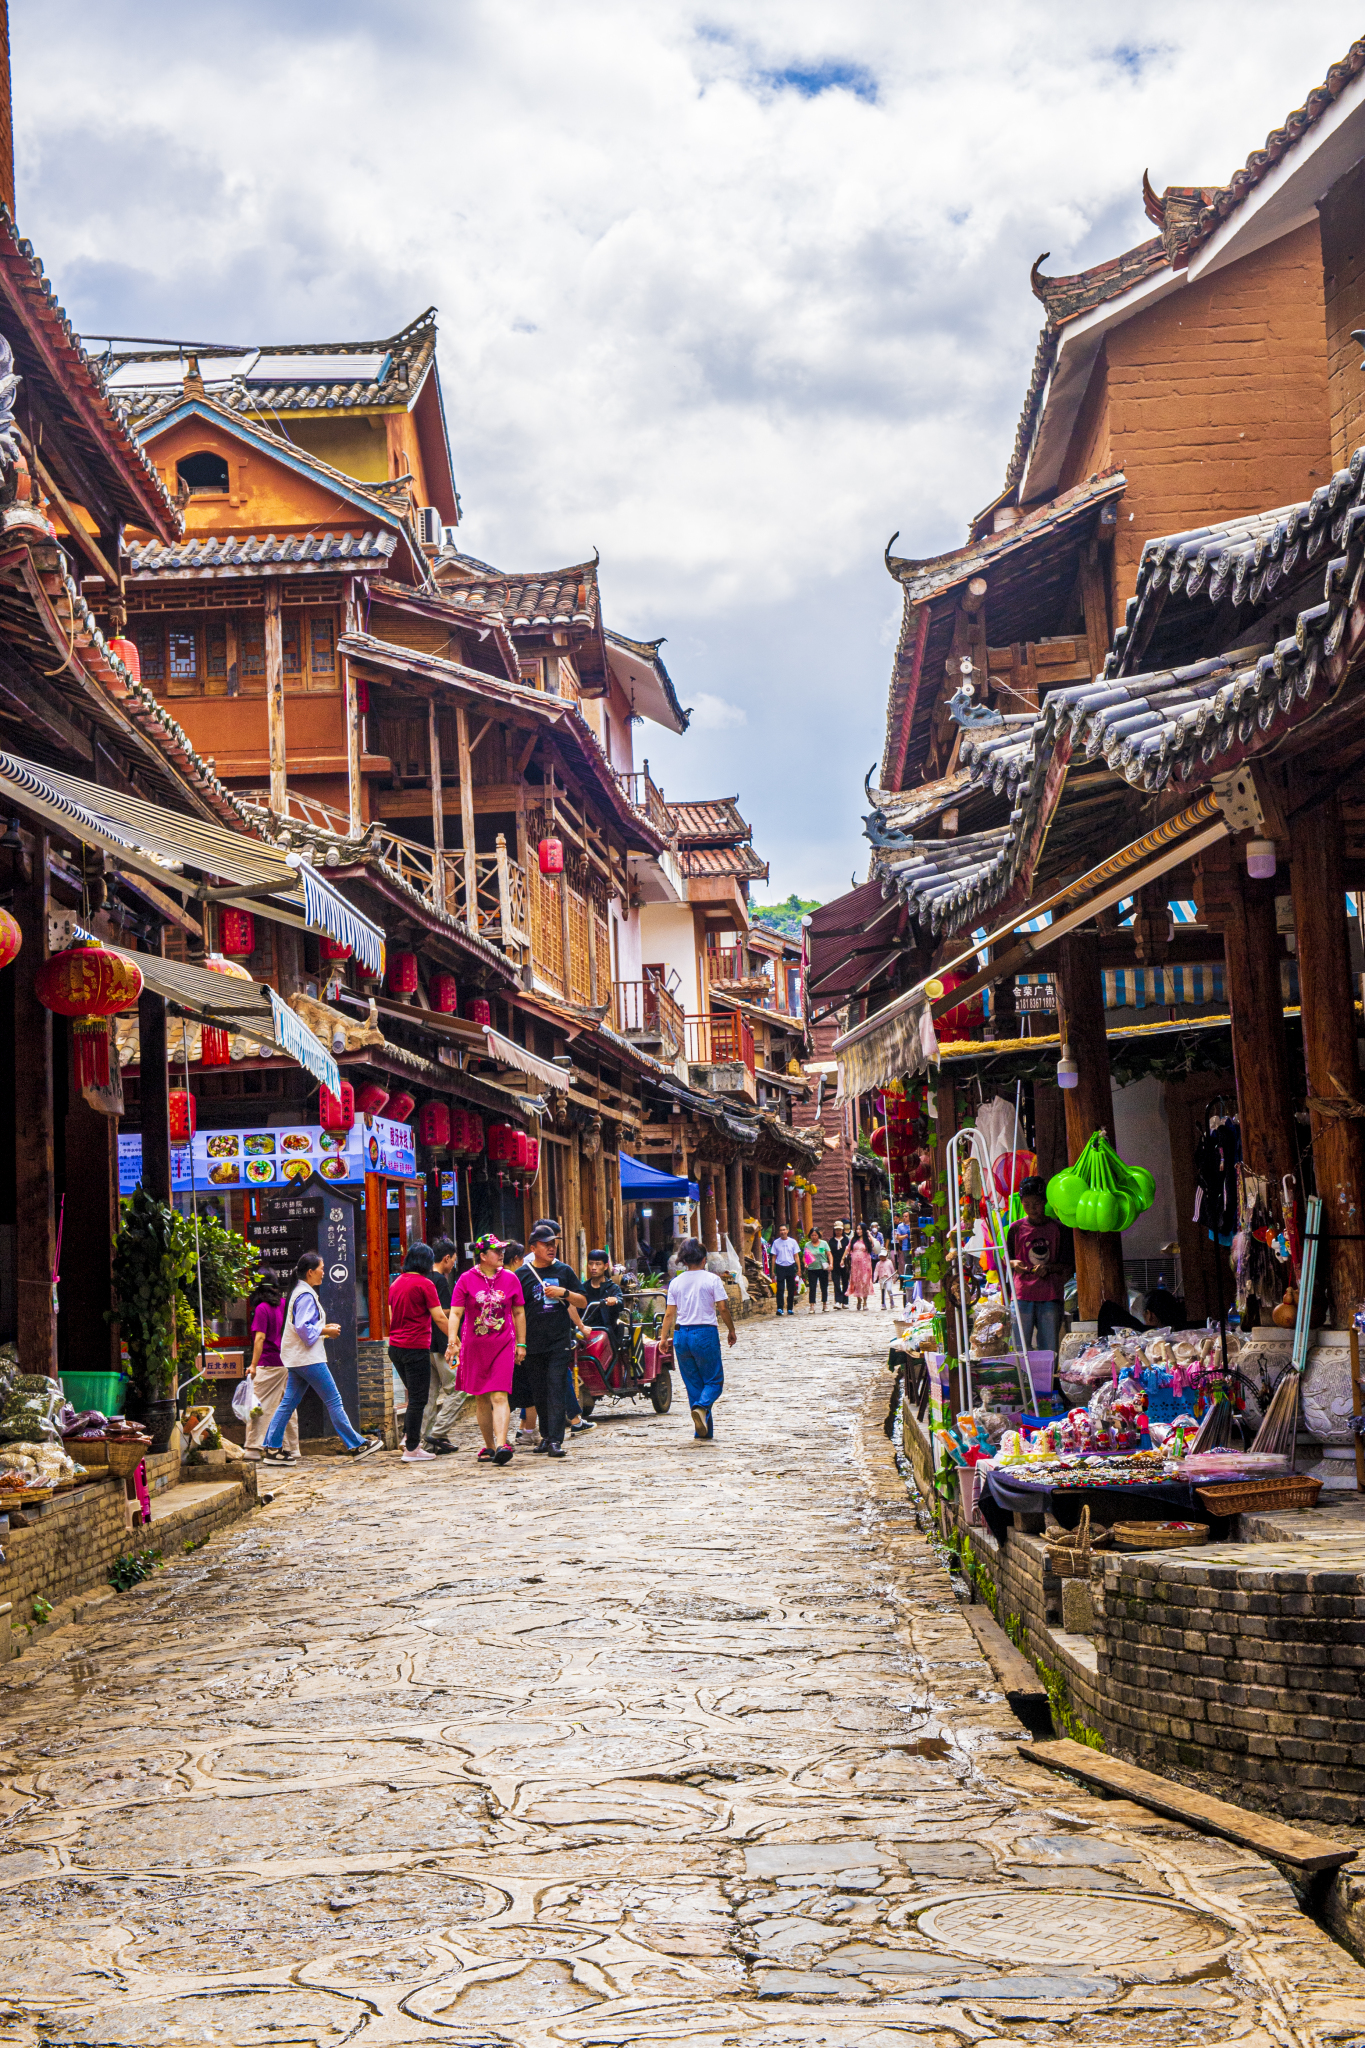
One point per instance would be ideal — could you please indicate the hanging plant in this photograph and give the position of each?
(145, 1286)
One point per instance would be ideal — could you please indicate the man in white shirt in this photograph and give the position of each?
(694, 1299)
(785, 1254)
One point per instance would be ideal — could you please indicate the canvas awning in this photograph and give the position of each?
(851, 945)
(236, 1005)
(508, 1053)
(164, 844)
(642, 1183)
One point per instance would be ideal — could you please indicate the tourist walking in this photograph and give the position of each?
(488, 1304)
(840, 1246)
(785, 1253)
(817, 1271)
(884, 1277)
(550, 1290)
(694, 1298)
(267, 1370)
(303, 1349)
(414, 1306)
(444, 1399)
(860, 1269)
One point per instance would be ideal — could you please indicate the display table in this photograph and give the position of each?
(1005, 1493)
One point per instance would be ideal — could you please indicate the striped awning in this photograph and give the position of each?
(508, 1053)
(236, 1005)
(163, 844)
(1135, 988)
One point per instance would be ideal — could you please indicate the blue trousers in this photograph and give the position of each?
(1042, 1321)
(696, 1347)
(319, 1378)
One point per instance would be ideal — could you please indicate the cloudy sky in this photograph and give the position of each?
(731, 292)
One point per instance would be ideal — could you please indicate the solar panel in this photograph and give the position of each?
(362, 367)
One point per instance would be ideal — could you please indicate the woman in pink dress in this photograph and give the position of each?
(491, 1310)
(860, 1270)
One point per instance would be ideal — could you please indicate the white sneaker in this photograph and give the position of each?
(419, 1457)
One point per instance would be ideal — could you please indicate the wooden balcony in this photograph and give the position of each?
(640, 789)
(722, 1040)
(727, 968)
(645, 1011)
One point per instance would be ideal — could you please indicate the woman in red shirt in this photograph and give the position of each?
(414, 1305)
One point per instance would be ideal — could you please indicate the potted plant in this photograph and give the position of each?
(145, 1286)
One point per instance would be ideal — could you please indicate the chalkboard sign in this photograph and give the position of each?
(315, 1215)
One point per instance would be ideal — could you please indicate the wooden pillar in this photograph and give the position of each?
(154, 1090)
(35, 1218)
(592, 949)
(1329, 1043)
(722, 1206)
(438, 818)
(735, 1174)
(1251, 965)
(350, 696)
(89, 1225)
(274, 698)
(471, 872)
(1089, 1107)
(708, 1209)
(752, 1197)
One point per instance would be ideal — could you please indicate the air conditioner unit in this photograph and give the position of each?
(429, 526)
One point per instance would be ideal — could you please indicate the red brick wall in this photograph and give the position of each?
(1218, 401)
(1343, 262)
(835, 1197)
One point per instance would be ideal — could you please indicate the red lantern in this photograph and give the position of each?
(236, 933)
(126, 650)
(215, 1047)
(90, 985)
(551, 856)
(401, 1106)
(183, 1120)
(372, 1099)
(533, 1156)
(443, 994)
(332, 949)
(11, 938)
(403, 974)
(965, 1018)
(479, 1010)
(497, 1143)
(877, 1140)
(459, 1131)
(336, 1113)
(473, 1132)
(434, 1124)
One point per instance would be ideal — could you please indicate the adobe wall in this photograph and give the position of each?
(1342, 221)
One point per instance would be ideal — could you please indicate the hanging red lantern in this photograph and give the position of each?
(215, 1047)
(401, 1107)
(551, 856)
(11, 938)
(126, 651)
(443, 994)
(90, 985)
(434, 1124)
(473, 1132)
(236, 933)
(459, 1131)
(961, 1021)
(479, 1011)
(371, 1100)
(332, 949)
(497, 1143)
(533, 1156)
(403, 974)
(337, 1112)
(182, 1117)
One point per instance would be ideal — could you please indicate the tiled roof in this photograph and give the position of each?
(710, 820)
(896, 813)
(259, 554)
(722, 860)
(1067, 297)
(48, 353)
(283, 378)
(647, 653)
(528, 602)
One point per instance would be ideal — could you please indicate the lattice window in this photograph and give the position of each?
(150, 652)
(323, 644)
(215, 649)
(290, 627)
(253, 647)
(547, 935)
(580, 978)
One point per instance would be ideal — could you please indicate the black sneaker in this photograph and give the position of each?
(369, 1447)
(582, 1423)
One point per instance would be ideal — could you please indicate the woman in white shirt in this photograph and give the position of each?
(694, 1298)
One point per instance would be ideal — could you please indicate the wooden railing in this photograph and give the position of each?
(500, 885)
(720, 1040)
(645, 1009)
(639, 788)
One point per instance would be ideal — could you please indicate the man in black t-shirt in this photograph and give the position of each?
(552, 1296)
(605, 1299)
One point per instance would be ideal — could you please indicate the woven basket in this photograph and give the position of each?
(124, 1458)
(1247, 1496)
(1156, 1536)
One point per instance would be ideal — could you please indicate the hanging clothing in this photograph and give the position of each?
(1216, 1157)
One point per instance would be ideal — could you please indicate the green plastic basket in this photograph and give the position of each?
(106, 1391)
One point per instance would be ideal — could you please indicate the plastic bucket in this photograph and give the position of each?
(106, 1391)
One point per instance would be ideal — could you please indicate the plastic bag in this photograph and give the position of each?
(29, 1408)
(246, 1402)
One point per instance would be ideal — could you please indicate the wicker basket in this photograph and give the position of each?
(1156, 1536)
(124, 1458)
(1247, 1496)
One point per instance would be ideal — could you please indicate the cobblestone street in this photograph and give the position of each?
(671, 1743)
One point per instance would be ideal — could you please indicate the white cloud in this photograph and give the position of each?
(715, 714)
(731, 293)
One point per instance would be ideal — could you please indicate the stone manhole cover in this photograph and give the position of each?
(1144, 1940)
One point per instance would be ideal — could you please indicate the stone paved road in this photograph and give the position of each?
(667, 1744)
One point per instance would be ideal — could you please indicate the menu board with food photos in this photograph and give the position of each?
(284, 1222)
(278, 1157)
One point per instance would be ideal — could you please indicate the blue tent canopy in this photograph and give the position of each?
(641, 1183)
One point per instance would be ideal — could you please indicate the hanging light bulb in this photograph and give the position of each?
(1068, 1073)
(1261, 858)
